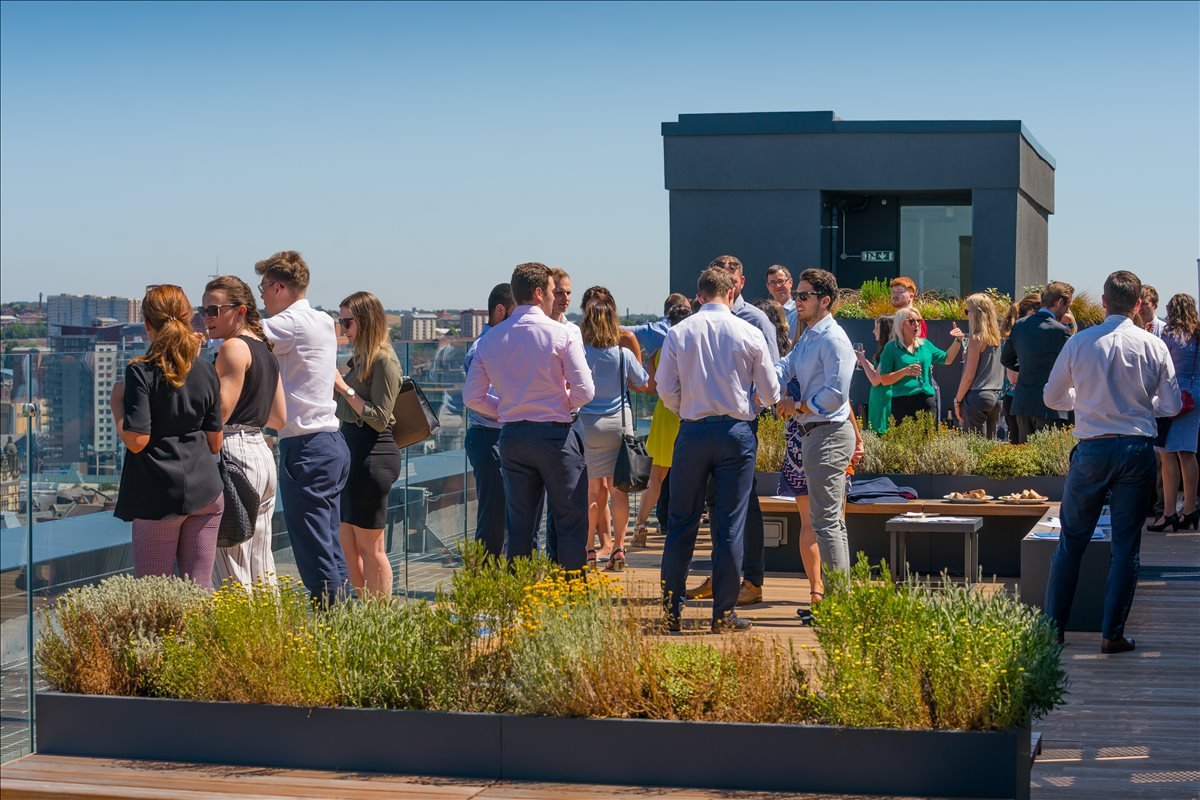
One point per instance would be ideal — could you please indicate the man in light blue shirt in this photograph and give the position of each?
(823, 364)
(483, 441)
(779, 284)
(711, 366)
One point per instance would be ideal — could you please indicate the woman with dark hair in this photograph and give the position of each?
(660, 443)
(605, 419)
(365, 399)
(1178, 450)
(778, 318)
(879, 403)
(251, 399)
(167, 412)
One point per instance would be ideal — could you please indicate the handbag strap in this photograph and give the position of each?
(621, 383)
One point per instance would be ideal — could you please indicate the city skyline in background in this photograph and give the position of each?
(421, 150)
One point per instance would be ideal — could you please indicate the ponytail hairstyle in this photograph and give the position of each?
(174, 347)
(373, 334)
(238, 292)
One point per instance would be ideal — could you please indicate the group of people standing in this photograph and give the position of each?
(175, 409)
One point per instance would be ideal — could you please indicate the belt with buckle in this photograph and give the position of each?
(807, 427)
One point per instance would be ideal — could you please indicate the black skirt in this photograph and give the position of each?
(374, 467)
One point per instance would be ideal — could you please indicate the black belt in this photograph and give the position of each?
(528, 422)
(807, 427)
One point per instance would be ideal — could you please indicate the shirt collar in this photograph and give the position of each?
(739, 302)
(717, 308)
(1046, 311)
(823, 324)
(524, 310)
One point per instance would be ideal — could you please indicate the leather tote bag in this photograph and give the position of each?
(241, 505)
(415, 420)
(632, 471)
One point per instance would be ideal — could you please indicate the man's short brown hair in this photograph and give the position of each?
(1057, 290)
(774, 268)
(734, 263)
(528, 278)
(1149, 295)
(286, 266)
(558, 274)
(673, 300)
(714, 282)
(908, 284)
(1122, 290)
(822, 281)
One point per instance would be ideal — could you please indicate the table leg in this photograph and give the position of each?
(971, 558)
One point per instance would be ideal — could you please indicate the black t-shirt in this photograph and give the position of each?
(176, 472)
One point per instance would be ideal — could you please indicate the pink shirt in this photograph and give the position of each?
(535, 366)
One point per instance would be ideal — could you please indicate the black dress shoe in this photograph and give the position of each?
(731, 623)
(672, 623)
(1061, 638)
(1110, 646)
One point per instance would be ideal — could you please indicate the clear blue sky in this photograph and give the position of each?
(420, 151)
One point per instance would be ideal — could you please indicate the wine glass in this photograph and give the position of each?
(859, 350)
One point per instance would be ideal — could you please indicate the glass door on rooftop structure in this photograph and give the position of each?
(935, 247)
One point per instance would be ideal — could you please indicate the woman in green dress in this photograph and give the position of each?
(906, 365)
(879, 404)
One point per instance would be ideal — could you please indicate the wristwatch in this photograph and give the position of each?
(350, 391)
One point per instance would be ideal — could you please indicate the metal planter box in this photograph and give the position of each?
(993, 764)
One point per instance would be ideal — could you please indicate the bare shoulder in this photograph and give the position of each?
(235, 352)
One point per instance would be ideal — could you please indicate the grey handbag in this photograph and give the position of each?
(241, 505)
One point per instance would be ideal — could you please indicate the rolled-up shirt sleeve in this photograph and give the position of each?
(838, 359)
(1167, 401)
(576, 372)
(1059, 392)
(476, 394)
(667, 376)
(766, 380)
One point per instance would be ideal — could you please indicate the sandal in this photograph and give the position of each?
(616, 561)
(591, 558)
(639, 536)
(806, 614)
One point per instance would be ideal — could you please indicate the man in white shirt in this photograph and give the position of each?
(1148, 314)
(1117, 377)
(314, 461)
(711, 365)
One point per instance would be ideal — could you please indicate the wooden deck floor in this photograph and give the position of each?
(1130, 729)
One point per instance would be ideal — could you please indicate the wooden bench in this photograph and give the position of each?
(999, 549)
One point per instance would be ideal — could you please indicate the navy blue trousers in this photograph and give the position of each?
(724, 448)
(1123, 468)
(535, 458)
(483, 450)
(312, 473)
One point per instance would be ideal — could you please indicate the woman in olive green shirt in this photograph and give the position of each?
(365, 399)
(906, 365)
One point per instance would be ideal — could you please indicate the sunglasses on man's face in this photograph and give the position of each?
(803, 297)
(732, 266)
(215, 309)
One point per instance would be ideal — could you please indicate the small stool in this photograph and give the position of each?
(900, 527)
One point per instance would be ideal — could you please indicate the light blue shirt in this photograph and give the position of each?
(650, 335)
(789, 310)
(822, 362)
(711, 365)
(474, 417)
(610, 386)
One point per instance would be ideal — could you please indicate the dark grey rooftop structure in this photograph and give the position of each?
(959, 206)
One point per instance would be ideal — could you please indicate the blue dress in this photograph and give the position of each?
(1181, 436)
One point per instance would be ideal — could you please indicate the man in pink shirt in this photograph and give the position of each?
(539, 377)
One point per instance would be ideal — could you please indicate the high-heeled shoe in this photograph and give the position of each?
(1168, 519)
(1189, 522)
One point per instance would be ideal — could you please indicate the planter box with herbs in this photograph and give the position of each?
(524, 673)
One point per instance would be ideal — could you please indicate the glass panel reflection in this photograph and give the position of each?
(935, 247)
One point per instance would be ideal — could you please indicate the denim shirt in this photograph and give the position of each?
(823, 365)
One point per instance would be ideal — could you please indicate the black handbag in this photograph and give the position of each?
(241, 504)
(415, 420)
(632, 471)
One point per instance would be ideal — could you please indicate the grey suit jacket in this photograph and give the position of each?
(1031, 350)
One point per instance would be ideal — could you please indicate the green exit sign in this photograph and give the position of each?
(878, 255)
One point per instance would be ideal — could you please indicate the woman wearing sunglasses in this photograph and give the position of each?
(365, 399)
(251, 399)
(906, 365)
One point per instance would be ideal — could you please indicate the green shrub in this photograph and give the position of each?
(104, 639)
(916, 656)
(1052, 448)
(1009, 461)
(772, 444)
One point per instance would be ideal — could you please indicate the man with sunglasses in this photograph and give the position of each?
(822, 363)
(314, 461)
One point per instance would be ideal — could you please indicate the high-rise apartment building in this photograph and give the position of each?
(417, 326)
(81, 309)
(471, 323)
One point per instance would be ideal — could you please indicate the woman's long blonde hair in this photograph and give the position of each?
(981, 320)
(600, 326)
(898, 324)
(175, 346)
(373, 334)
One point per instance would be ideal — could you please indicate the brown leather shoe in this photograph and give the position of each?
(749, 594)
(1110, 646)
(701, 592)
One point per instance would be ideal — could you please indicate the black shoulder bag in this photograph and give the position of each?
(632, 471)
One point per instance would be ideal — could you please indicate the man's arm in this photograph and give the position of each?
(1008, 355)
(576, 372)
(476, 394)
(1167, 400)
(1059, 392)
(281, 331)
(837, 359)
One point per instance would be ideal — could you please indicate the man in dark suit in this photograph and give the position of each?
(1031, 350)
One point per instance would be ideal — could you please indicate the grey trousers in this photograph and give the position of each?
(827, 451)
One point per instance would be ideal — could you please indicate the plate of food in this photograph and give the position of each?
(973, 496)
(916, 515)
(1025, 497)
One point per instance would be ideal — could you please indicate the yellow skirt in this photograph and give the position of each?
(664, 427)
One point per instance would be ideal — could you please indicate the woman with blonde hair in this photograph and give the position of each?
(251, 399)
(977, 401)
(168, 413)
(605, 419)
(365, 399)
(1178, 446)
(906, 364)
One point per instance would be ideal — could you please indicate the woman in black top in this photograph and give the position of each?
(167, 414)
(365, 399)
(251, 397)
